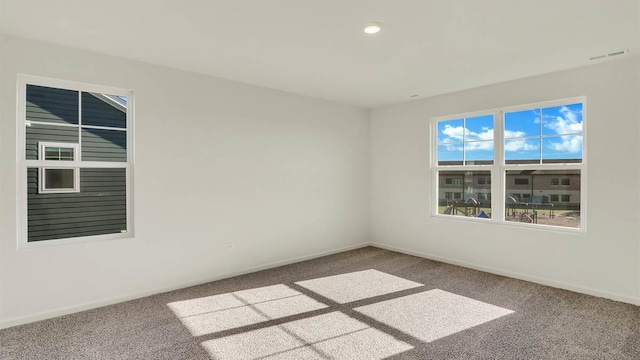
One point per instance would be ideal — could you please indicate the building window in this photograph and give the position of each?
(470, 195)
(520, 181)
(58, 180)
(75, 163)
(566, 198)
(457, 181)
(448, 181)
(540, 147)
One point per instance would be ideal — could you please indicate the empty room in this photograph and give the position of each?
(355, 179)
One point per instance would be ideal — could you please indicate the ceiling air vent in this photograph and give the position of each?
(611, 54)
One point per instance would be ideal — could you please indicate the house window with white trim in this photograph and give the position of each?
(526, 152)
(62, 180)
(75, 142)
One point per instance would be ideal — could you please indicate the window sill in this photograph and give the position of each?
(23, 245)
(513, 224)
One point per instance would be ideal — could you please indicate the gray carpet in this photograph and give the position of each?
(362, 304)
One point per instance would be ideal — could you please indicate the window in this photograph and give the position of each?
(457, 181)
(457, 196)
(471, 146)
(75, 168)
(520, 181)
(448, 181)
(58, 180)
(448, 195)
(523, 152)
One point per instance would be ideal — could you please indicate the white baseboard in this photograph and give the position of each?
(118, 299)
(96, 304)
(538, 280)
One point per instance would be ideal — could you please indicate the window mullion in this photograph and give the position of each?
(497, 177)
(540, 140)
(79, 156)
(464, 141)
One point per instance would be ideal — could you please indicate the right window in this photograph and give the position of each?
(538, 165)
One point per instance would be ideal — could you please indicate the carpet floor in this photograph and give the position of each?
(362, 304)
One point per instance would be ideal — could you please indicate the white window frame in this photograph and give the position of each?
(23, 164)
(499, 169)
(42, 189)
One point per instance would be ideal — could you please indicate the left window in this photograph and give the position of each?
(75, 160)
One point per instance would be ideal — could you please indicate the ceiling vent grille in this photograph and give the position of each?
(609, 55)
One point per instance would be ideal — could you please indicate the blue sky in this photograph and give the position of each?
(478, 139)
(524, 134)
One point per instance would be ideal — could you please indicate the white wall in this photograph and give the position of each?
(287, 177)
(280, 176)
(603, 262)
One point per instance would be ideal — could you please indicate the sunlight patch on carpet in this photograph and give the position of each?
(329, 336)
(358, 285)
(217, 313)
(432, 314)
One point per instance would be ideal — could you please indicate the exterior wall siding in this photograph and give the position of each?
(52, 105)
(99, 208)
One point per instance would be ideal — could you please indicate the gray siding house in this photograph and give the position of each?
(68, 125)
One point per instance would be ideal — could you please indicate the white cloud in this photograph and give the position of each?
(514, 134)
(457, 133)
(453, 133)
(570, 144)
(452, 147)
(486, 134)
(536, 119)
(568, 123)
(519, 145)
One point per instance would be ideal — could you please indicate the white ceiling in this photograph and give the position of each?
(317, 48)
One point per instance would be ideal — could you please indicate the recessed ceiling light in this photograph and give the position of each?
(373, 28)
